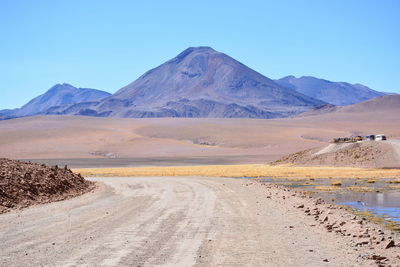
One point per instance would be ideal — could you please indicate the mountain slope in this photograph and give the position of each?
(201, 82)
(58, 95)
(387, 104)
(336, 93)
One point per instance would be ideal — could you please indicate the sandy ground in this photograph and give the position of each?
(131, 142)
(183, 221)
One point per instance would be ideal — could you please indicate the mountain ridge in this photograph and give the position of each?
(385, 103)
(199, 82)
(58, 95)
(336, 93)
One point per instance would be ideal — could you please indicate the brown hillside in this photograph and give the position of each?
(363, 154)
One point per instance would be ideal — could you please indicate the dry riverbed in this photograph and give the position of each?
(188, 221)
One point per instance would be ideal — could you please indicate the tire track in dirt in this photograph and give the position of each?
(172, 221)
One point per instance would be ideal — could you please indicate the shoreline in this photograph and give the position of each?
(371, 240)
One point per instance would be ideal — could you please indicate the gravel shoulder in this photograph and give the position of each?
(189, 221)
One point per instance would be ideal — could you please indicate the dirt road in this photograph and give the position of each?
(396, 147)
(169, 221)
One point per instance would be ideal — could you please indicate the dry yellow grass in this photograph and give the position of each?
(361, 189)
(395, 186)
(249, 170)
(327, 188)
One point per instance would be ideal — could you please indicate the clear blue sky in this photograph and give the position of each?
(108, 44)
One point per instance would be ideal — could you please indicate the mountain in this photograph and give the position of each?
(200, 82)
(387, 104)
(336, 93)
(380, 104)
(5, 114)
(58, 95)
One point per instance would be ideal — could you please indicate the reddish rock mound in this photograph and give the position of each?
(23, 184)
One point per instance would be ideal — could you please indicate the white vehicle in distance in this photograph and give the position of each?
(380, 137)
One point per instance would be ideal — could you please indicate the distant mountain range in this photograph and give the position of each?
(336, 93)
(58, 95)
(199, 82)
(386, 103)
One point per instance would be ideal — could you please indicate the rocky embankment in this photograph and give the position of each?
(372, 242)
(368, 154)
(23, 184)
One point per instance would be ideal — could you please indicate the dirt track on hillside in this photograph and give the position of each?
(366, 154)
(396, 148)
(174, 222)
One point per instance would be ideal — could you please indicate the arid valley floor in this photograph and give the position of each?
(234, 141)
(199, 133)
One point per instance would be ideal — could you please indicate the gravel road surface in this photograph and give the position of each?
(169, 221)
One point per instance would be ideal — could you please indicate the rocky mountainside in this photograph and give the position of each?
(58, 95)
(336, 93)
(199, 82)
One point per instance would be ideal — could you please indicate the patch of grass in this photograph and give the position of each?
(391, 225)
(355, 188)
(248, 170)
(395, 186)
(327, 188)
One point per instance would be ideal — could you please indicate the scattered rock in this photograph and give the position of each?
(24, 184)
(390, 244)
(376, 257)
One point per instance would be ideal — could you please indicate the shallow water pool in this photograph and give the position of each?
(379, 198)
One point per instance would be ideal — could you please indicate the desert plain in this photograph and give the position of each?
(234, 141)
(169, 199)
